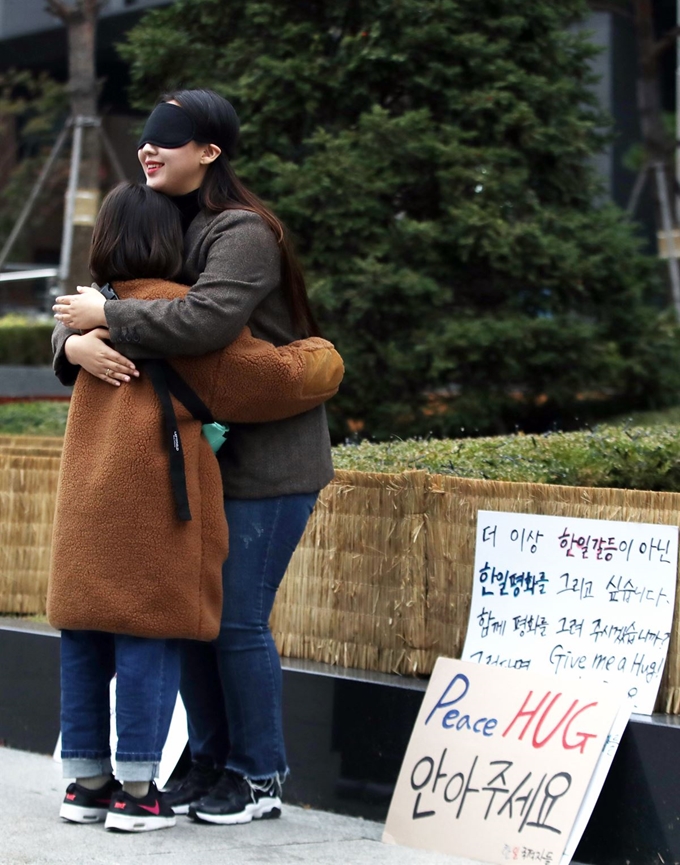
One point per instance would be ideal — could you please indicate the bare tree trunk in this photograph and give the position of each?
(80, 19)
(658, 148)
(658, 144)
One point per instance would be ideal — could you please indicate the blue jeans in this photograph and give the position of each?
(232, 687)
(147, 674)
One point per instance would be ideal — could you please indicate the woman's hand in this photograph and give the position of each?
(81, 311)
(93, 354)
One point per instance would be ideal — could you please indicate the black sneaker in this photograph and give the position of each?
(199, 782)
(235, 799)
(81, 805)
(129, 814)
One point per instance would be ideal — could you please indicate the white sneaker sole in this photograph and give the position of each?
(125, 823)
(181, 809)
(78, 814)
(264, 810)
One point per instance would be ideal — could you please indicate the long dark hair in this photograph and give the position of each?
(137, 235)
(217, 123)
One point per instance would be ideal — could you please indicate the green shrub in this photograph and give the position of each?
(434, 162)
(40, 418)
(663, 417)
(25, 341)
(637, 458)
(646, 458)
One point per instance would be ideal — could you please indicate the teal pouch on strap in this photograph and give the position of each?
(167, 382)
(216, 433)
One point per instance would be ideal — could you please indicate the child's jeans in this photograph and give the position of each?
(147, 674)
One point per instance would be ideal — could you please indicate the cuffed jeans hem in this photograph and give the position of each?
(136, 770)
(85, 767)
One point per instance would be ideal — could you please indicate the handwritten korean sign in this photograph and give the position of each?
(499, 762)
(568, 596)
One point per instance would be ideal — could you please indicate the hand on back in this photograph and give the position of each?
(91, 352)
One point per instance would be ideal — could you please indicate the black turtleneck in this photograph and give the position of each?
(189, 206)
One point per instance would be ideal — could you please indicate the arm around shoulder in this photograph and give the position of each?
(242, 265)
(257, 382)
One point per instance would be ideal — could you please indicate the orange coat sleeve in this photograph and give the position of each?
(254, 381)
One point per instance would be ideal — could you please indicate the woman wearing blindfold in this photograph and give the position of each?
(243, 271)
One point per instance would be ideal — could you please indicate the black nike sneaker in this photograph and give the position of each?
(235, 799)
(81, 805)
(130, 814)
(198, 783)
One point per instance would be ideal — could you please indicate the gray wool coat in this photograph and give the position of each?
(232, 262)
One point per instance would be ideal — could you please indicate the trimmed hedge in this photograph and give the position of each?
(25, 341)
(646, 458)
(40, 418)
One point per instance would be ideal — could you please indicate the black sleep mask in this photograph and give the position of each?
(168, 126)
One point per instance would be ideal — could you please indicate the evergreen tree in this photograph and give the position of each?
(432, 159)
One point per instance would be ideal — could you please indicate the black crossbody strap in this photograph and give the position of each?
(186, 394)
(157, 372)
(166, 380)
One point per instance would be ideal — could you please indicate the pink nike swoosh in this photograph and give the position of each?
(155, 810)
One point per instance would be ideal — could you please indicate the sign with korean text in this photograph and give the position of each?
(499, 763)
(574, 597)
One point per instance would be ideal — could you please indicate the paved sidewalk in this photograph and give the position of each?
(31, 833)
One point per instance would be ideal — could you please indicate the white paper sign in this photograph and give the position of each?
(499, 763)
(574, 597)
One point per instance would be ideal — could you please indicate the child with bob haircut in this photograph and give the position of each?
(140, 534)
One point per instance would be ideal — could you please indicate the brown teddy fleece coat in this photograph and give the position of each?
(121, 559)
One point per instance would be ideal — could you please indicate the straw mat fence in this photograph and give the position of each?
(29, 470)
(382, 577)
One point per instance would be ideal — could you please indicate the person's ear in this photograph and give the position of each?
(210, 154)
